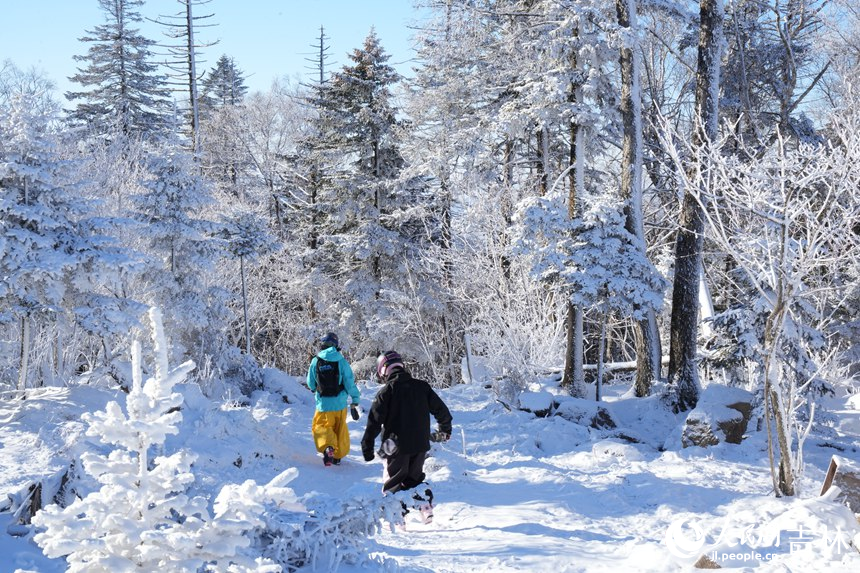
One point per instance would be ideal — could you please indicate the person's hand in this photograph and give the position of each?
(368, 455)
(353, 411)
(439, 436)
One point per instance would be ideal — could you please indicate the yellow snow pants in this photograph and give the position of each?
(330, 429)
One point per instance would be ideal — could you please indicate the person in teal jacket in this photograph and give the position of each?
(331, 379)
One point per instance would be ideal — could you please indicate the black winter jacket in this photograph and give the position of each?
(403, 407)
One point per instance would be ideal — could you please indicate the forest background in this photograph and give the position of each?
(550, 189)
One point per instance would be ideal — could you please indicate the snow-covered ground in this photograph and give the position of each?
(514, 492)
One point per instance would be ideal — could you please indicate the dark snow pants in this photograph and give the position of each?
(403, 471)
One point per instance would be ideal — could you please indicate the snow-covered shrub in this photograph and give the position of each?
(736, 346)
(231, 369)
(142, 518)
(508, 388)
(332, 532)
(499, 305)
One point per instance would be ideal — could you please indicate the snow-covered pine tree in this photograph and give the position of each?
(309, 176)
(175, 195)
(594, 258)
(224, 156)
(50, 246)
(142, 518)
(180, 276)
(246, 237)
(122, 90)
(366, 214)
(224, 84)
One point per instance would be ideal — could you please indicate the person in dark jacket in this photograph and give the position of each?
(401, 411)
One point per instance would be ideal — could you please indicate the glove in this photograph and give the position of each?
(368, 455)
(353, 411)
(440, 436)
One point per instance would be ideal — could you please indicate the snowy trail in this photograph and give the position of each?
(521, 493)
(514, 492)
(586, 505)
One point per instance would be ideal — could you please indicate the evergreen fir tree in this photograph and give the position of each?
(362, 217)
(222, 93)
(247, 238)
(122, 89)
(224, 85)
(595, 259)
(175, 236)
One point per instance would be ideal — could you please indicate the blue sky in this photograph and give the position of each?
(267, 38)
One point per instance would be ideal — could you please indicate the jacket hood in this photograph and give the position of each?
(399, 374)
(330, 353)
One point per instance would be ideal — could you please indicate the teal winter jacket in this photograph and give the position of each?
(347, 378)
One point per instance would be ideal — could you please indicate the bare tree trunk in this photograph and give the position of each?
(683, 369)
(574, 378)
(784, 482)
(786, 469)
(648, 351)
(542, 162)
(25, 353)
(192, 81)
(245, 306)
(377, 204)
(775, 410)
(601, 349)
(448, 333)
(59, 345)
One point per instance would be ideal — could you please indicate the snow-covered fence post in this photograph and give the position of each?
(468, 343)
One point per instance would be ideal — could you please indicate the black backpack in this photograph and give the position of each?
(328, 378)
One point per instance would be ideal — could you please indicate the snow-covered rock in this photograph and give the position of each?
(539, 403)
(721, 415)
(584, 412)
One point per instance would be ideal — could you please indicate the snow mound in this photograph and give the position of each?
(613, 451)
(540, 403)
